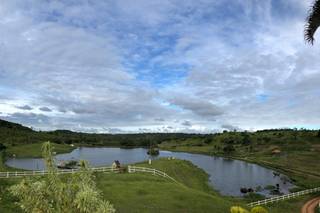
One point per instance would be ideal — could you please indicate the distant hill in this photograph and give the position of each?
(14, 134)
(15, 126)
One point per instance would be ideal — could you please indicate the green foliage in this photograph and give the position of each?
(15, 134)
(246, 139)
(207, 140)
(153, 151)
(258, 209)
(228, 149)
(238, 209)
(62, 194)
(2, 147)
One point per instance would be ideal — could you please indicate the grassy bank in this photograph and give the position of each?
(148, 193)
(297, 159)
(34, 150)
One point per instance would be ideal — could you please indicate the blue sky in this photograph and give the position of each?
(158, 66)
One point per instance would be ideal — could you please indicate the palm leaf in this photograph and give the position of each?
(313, 22)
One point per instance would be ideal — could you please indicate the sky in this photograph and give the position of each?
(194, 66)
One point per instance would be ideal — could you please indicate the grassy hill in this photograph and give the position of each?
(12, 134)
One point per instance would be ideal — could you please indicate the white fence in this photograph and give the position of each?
(59, 171)
(133, 169)
(284, 197)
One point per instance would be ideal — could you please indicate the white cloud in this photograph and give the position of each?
(96, 65)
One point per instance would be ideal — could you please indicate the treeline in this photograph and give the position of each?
(14, 134)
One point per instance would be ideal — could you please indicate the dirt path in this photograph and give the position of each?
(310, 205)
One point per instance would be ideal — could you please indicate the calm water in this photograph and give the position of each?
(226, 176)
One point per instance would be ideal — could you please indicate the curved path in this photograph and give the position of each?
(309, 206)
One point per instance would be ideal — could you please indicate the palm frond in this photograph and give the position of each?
(312, 22)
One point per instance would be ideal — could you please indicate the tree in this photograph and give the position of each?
(2, 147)
(207, 140)
(228, 149)
(76, 193)
(246, 139)
(313, 22)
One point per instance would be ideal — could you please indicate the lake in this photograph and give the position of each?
(227, 176)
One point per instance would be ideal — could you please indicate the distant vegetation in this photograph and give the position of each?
(12, 134)
(15, 134)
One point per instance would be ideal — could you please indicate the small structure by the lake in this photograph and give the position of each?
(116, 164)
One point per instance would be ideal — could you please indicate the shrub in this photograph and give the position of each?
(228, 149)
(2, 147)
(258, 209)
(76, 193)
(207, 140)
(238, 209)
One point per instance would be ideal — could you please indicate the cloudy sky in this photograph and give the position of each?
(158, 65)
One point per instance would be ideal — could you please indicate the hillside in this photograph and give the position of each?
(16, 134)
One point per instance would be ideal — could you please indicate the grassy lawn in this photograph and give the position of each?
(34, 150)
(147, 193)
(184, 172)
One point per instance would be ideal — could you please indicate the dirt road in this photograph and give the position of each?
(309, 206)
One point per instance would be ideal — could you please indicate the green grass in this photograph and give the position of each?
(147, 193)
(184, 172)
(6, 200)
(34, 150)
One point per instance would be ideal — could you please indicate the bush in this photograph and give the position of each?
(228, 149)
(56, 193)
(258, 209)
(2, 147)
(207, 140)
(238, 209)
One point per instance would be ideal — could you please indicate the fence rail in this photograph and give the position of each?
(133, 169)
(59, 171)
(284, 197)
